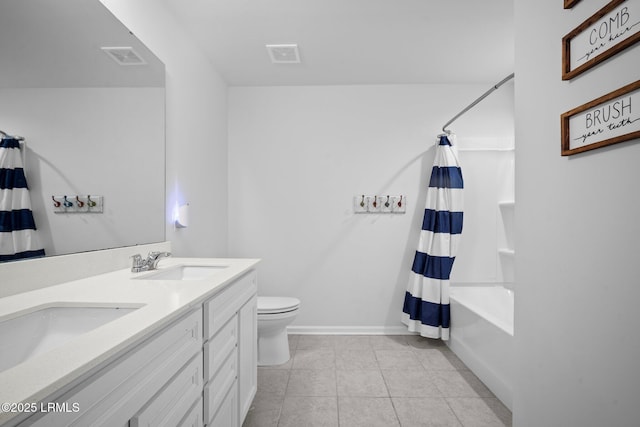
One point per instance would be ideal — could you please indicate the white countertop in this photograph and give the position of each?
(162, 301)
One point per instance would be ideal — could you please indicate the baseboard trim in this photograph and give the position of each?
(349, 330)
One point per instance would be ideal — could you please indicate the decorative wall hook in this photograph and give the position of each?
(67, 203)
(362, 202)
(56, 203)
(400, 202)
(375, 201)
(90, 203)
(79, 202)
(387, 204)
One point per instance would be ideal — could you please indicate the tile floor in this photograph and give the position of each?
(372, 381)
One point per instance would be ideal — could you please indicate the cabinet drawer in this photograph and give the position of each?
(227, 415)
(171, 404)
(220, 308)
(218, 348)
(194, 417)
(217, 388)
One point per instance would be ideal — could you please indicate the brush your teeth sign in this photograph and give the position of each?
(612, 118)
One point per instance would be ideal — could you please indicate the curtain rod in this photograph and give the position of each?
(473, 104)
(3, 133)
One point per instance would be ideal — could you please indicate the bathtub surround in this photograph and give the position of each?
(426, 302)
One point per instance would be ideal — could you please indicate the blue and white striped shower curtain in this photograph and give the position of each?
(17, 227)
(426, 302)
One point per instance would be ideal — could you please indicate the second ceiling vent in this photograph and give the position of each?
(124, 55)
(283, 53)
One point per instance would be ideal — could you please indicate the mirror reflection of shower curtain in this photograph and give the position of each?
(18, 238)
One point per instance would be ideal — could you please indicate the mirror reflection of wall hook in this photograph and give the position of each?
(67, 203)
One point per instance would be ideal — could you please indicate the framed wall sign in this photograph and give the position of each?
(612, 118)
(610, 30)
(568, 4)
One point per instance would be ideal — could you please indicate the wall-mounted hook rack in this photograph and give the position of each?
(380, 204)
(77, 204)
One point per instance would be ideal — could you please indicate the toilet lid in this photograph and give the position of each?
(277, 304)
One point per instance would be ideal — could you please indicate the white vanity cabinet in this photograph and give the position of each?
(156, 383)
(200, 370)
(230, 353)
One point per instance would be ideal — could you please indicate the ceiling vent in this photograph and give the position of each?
(283, 53)
(124, 55)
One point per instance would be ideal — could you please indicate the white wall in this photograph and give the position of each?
(298, 155)
(96, 141)
(196, 170)
(577, 233)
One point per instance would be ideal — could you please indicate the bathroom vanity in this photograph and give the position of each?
(184, 353)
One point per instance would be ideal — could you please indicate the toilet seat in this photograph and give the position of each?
(275, 305)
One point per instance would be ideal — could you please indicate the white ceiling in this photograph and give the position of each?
(354, 41)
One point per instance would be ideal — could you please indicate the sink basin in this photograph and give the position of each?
(185, 272)
(34, 333)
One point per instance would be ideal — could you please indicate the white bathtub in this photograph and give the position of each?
(482, 335)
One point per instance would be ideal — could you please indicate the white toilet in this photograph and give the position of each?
(274, 315)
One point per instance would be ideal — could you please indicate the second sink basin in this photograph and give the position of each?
(39, 331)
(184, 272)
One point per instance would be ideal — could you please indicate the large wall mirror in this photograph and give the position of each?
(92, 125)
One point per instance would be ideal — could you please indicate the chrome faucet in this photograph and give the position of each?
(150, 263)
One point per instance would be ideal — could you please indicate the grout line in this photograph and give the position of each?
(395, 411)
(452, 411)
